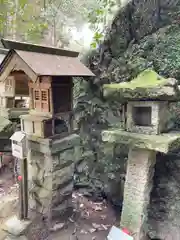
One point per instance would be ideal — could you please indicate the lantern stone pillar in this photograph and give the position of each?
(137, 189)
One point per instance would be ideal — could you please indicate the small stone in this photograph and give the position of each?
(15, 226)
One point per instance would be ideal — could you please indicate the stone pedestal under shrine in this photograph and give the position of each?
(50, 173)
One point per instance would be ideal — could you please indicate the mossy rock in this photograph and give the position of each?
(147, 85)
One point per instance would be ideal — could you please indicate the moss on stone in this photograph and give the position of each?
(146, 79)
(147, 85)
(160, 143)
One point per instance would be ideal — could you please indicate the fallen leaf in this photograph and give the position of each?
(98, 203)
(71, 220)
(92, 230)
(103, 217)
(57, 227)
(83, 231)
(104, 226)
(97, 208)
(97, 226)
(74, 196)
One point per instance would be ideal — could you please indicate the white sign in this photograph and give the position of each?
(18, 144)
(117, 234)
(17, 151)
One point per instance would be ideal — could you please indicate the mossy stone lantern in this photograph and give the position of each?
(145, 130)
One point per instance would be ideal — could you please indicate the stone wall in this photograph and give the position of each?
(62, 181)
(50, 173)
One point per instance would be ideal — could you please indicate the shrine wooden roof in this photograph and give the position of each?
(44, 61)
(3, 53)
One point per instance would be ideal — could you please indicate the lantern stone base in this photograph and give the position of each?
(138, 185)
(50, 172)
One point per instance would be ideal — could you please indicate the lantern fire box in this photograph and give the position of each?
(146, 102)
(147, 117)
(50, 74)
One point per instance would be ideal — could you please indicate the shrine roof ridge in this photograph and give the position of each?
(28, 47)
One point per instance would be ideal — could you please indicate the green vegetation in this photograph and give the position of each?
(52, 22)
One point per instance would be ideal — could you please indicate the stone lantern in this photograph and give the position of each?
(145, 130)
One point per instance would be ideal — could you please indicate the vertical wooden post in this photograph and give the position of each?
(1, 161)
(23, 190)
(21, 200)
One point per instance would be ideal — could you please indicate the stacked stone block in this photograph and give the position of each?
(51, 170)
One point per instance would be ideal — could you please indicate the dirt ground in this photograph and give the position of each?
(8, 198)
(90, 220)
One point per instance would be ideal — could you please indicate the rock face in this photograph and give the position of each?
(144, 34)
(164, 209)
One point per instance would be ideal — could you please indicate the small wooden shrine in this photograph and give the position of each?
(48, 81)
(145, 130)
(47, 130)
